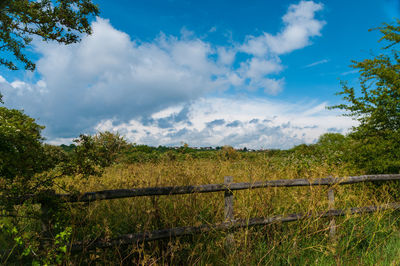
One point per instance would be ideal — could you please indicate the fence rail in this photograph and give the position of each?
(159, 191)
(231, 225)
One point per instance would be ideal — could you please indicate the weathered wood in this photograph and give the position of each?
(45, 219)
(228, 210)
(154, 191)
(235, 224)
(332, 224)
(228, 213)
(46, 205)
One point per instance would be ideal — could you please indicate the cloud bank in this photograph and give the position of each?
(240, 122)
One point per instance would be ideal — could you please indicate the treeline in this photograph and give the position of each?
(370, 155)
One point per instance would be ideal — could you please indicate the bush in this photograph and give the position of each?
(334, 148)
(54, 155)
(93, 153)
(110, 146)
(377, 154)
(229, 153)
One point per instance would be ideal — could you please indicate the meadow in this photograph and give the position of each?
(364, 239)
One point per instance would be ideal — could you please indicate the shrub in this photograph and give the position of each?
(228, 153)
(93, 153)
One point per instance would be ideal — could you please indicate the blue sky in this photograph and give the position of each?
(254, 74)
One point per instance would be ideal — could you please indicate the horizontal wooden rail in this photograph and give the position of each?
(234, 224)
(158, 191)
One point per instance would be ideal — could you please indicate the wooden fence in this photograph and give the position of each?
(229, 223)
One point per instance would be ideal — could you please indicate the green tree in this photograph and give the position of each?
(59, 20)
(20, 145)
(25, 163)
(375, 104)
(23, 158)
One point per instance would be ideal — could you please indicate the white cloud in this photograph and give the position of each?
(226, 56)
(323, 61)
(257, 68)
(256, 46)
(213, 29)
(109, 76)
(59, 141)
(244, 122)
(349, 72)
(300, 25)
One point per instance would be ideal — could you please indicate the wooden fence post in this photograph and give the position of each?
(46, 202)
(331, 206)
(228, 213)
(45, 219)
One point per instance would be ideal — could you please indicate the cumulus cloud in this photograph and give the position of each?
(300, 25)
(240, 122)
(110, 77)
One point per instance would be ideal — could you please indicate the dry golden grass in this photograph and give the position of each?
(305, 241)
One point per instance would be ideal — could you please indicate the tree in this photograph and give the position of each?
(20, 145)
(376, 105)
(24, 161)
(59, 20)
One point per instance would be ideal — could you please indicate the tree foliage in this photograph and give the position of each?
(375, 104)
(20, 145)
(59, 20)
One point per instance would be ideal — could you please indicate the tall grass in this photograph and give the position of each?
(370, 239)
(360, 238)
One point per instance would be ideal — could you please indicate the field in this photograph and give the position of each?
(366, 239)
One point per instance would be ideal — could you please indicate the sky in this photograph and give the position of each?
(255, 74)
